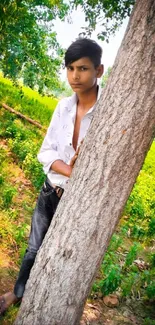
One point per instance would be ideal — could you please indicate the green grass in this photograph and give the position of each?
(141, 204)
(13, 229)
(27, 101)
(23, 138)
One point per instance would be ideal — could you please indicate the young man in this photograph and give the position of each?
(59, 151)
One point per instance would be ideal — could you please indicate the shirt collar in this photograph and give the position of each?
(98, 97)
(73, 101)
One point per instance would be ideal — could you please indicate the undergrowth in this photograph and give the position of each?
(13, 227)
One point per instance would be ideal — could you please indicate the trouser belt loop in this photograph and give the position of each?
(59, 191)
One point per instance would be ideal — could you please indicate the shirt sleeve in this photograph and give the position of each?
(49, 150)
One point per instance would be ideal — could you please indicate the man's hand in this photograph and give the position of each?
(64, 169)
(73, 160)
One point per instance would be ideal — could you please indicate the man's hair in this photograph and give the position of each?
(83, 47)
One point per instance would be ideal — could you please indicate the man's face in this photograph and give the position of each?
(82, 75)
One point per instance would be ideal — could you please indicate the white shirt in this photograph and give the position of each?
(57, 143)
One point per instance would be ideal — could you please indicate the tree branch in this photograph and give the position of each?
(10, 109)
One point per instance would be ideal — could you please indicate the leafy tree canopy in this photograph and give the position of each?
(28, 46)
(109, 14)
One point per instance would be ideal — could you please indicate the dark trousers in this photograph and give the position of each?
(45, 208)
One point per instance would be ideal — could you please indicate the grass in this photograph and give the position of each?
(17, 199)
(27, 101)
(24, 139)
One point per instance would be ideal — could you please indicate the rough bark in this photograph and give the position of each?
(109, 162)
(24, 117)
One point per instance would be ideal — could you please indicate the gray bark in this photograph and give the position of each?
(109, 162)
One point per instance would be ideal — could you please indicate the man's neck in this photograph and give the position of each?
(87, 99)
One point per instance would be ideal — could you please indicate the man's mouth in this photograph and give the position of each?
(76, 84)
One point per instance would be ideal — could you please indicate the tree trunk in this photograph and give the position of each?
(110, 159)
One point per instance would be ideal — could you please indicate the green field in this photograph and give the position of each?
(27, 101)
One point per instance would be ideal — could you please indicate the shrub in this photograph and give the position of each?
(7, 196)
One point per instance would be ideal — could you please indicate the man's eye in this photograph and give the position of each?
(69, 68)
(84, 68)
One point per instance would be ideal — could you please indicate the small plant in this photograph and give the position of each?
(22, 251)
(150, 290)
(127, 284)
(151, 227)
(132, 254)
(153, 259)
(149, 321)
(111, 282)
(33, 170)
(2, 156)
(20, 233)
(7, 196)
(1, 179)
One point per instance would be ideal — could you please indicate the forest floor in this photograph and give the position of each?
(130, 311)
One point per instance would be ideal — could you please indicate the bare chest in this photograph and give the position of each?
(76, 130)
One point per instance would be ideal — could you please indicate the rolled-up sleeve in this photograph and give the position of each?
(49, 150)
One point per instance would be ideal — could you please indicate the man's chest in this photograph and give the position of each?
(76, 130)
(73, 128)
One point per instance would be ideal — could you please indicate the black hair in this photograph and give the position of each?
(83, 47)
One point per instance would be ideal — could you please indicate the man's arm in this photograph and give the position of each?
(48, 153)
(61, 168)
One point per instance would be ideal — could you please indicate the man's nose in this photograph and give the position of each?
(76, 75)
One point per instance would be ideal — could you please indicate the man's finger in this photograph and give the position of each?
(79, 147)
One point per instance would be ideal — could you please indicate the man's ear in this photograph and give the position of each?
(100, 70)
